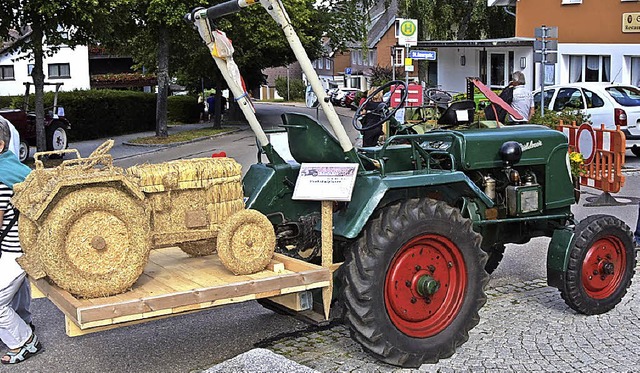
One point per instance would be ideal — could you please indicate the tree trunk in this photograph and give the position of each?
(38, 81)
(217, 111)
(163, 81)
(464, 24)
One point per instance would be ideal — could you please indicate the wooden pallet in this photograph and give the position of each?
(174, 283)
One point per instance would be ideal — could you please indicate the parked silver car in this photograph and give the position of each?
(605, 103)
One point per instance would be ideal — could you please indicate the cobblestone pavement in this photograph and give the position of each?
(524, 327)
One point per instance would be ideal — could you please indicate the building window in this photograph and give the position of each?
(30, 69)
(371, 57)
(398, 57)
(497, 70)
(635, 71)
(59, 70)
(589, 69)
(327, 64)
(6, 72)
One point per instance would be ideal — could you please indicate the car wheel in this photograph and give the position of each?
(56, 139)
(636, 151)
(23, 152)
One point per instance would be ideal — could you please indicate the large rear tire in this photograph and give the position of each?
(601, 264)
(97, 242)
(414, 283)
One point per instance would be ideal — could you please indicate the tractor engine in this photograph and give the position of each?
(516, 191)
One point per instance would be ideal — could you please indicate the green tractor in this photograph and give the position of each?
(429, 215)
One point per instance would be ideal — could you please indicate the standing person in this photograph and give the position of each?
(16, 329)
(201, 107)
(210, 101)
(370, 136)
(522, 97)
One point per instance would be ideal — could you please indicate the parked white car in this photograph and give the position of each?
(606, 103)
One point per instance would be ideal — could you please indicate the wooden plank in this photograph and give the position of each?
(276, 266)
(62, 299)
(292, 301)
(294, 265)
(173, 283)
(35, 292)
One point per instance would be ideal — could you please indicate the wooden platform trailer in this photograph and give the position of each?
(173, 283)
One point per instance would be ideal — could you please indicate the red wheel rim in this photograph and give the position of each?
(603, 267)
(427, 256)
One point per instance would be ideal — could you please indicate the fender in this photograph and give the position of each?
(558, 256)
(372, 191)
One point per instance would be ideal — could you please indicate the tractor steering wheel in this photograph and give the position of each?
(439, 97)
(383, 109)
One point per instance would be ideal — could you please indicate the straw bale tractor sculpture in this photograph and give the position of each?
(89, 226)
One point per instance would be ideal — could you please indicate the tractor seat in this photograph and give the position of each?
(309, 141)
(453, 113)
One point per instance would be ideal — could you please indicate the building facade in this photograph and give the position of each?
(598, 41)
(68, 66)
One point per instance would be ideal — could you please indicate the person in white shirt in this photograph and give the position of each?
(522, 98)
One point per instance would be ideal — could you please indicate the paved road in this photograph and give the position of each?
(524, 326)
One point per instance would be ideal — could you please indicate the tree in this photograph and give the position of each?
(258, 43)
(45, 25)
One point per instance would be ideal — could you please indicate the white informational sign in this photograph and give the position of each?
(325, 181)
(407, 31)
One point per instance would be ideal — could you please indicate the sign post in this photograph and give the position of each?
(407, 34)
(546, 53)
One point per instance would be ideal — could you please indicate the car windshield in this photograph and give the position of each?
(625, 96)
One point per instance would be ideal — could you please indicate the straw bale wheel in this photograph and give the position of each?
(246, 242)
(97, 241)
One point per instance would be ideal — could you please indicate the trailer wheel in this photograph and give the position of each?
(97, 241)
(601, 265)
(246, 242)
(413, 290)
(494, 257)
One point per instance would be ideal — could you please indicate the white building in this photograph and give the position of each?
(69, 66)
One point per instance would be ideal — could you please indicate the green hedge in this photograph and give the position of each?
(183, 109)
(100, 113)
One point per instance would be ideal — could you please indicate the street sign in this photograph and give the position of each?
(551, 57)
(407, 31)
(549, 45)
(423, 55)
(347, 71)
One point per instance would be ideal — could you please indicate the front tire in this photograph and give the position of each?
(414, 283)
(601, 264)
